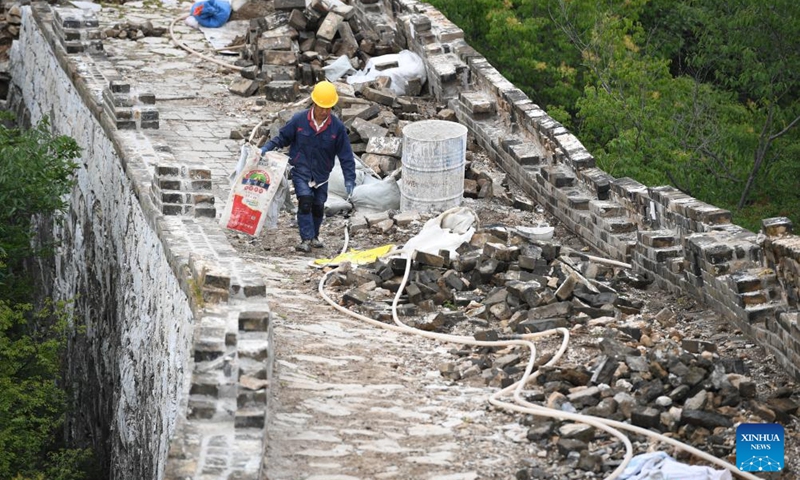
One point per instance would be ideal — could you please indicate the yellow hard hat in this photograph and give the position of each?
(324, 94)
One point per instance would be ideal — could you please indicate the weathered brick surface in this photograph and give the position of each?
(158, 292)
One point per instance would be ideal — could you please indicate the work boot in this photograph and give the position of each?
(304, 246)
(315, 243)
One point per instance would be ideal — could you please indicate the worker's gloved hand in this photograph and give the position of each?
(349, 185)
(265, 149)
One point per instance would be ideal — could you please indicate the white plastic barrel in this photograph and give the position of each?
(434, 153)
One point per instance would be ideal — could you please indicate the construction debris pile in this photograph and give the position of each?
(10, 22)
(298, 43)
(133, 31)
(641, 369)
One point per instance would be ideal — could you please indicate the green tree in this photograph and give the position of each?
(519, 38)
(699, 94)
(35, 176)
(36, 173)
(32, 403)
(751, 47)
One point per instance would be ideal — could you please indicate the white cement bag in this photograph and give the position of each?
(445, 232)
(409, 67)
(336, 204)
(254, 189)
(660, 466)
(376, 196)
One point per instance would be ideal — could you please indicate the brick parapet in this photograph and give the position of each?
(704, 255)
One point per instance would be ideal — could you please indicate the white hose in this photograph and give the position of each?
(521, 405)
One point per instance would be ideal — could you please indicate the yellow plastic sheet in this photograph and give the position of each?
(357, 257)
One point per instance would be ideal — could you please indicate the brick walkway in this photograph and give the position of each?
(351, 401)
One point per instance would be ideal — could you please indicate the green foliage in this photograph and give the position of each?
(35, 175)
(520, 40)
(32, 404)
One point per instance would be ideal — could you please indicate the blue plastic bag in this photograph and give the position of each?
(212, 13)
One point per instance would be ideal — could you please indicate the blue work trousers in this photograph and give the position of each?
(309, 220)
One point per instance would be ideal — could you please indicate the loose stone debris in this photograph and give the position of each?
(636, 355)
(134, 31)
(10, 20)
(641, 369)
(656, 368)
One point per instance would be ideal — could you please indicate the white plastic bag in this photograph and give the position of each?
(254, 189)
(660, 466)
(445, 232)
(409, 67)
(338, 69)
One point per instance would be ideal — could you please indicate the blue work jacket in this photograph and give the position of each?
(312, 153)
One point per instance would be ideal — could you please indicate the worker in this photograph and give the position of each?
(315, 138)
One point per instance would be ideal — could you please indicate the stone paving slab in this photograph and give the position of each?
(352, 401)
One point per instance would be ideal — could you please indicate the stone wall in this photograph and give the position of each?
(128, 370)
(170, 357)
(170, 373)
(684, 244)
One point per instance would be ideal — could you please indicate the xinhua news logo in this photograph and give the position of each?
(759, 447)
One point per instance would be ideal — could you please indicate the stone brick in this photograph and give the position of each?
(478, 104)
(117, 86)
(367, 130)
(254, 321)
(656, 238)
(249, 419)
(289, 4)
(391, 146)
(365, 112)
(330, 25)
(348, 44)
(429, 259)
(525, 153)
(280, 43)
(279, 57)
(243, 87)
(383, 96)
(777, 226)
(148, 114)
(147, 98)
(297, 20)
(117, 100)
(558, 177)
(282, 91)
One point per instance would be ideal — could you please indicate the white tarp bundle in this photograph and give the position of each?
(660, 466)
(445, 232)
(409, 67)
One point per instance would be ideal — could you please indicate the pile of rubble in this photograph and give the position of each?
(291, 47)
(641, 369)
(134, 31)
(10, 21)
(635, 366)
